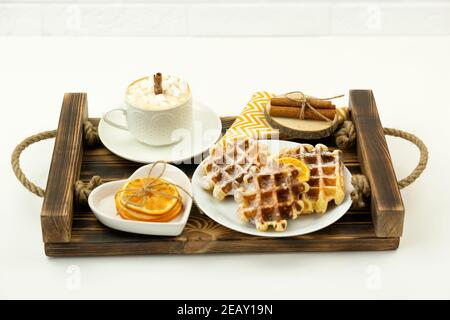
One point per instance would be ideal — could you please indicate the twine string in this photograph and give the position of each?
(150, 188)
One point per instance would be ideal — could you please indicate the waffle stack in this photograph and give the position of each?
(269, 197)
(326, 175)
(272, 189)
(228, 162)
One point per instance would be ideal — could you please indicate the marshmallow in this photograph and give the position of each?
(160, 98)
(151, 100)
(171, 81)
(144, 84)
(183, 86)
(175, 92)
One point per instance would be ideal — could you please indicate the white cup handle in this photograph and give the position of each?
(112, 122)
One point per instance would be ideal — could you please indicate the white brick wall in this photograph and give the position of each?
(223, 18)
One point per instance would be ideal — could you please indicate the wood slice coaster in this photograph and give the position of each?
(301, 129)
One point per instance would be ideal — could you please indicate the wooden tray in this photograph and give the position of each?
(70, 230)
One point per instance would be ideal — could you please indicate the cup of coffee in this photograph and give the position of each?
(154, 109)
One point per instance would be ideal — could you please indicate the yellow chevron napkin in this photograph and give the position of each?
(251, 122)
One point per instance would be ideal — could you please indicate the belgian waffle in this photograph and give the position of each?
(228, 162)
(326, 175)
(271, 196)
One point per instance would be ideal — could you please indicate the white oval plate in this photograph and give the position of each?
(205, 131)
(225, 212)
(101, 201)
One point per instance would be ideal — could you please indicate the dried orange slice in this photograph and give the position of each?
(162, 198)
(130, 214)
(162, 204)
(304, 169)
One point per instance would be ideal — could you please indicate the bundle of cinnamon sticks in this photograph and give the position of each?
(284, 106)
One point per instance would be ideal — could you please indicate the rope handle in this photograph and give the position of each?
(82, 190)
(15, 160)
(423, 160)
(345, 138)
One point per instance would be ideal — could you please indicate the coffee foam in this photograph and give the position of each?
(141, 93)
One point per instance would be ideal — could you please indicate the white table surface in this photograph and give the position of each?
(410, 77)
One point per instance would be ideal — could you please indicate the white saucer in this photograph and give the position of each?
(205, 131)
(225, 212)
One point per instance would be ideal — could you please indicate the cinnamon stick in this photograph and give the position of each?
(157, 83)
(289, 112)
(316, 103)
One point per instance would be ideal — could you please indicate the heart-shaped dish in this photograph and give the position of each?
(101, 202)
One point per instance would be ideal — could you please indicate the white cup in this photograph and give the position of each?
(153, 127)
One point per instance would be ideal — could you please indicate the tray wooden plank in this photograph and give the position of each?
(56, 215)
(354, 231)
(387, 204)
